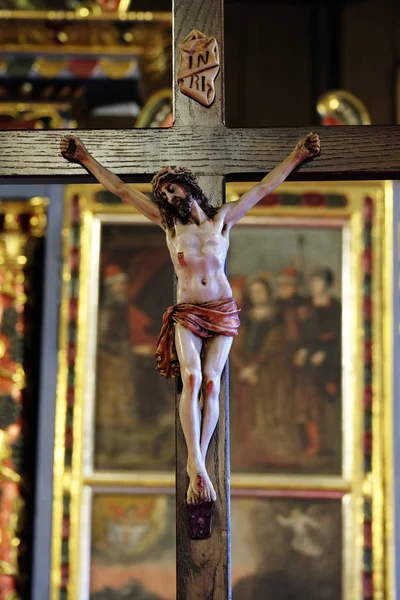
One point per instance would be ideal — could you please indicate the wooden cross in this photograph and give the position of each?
(200, 141)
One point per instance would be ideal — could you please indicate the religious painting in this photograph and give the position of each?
(113, 258)
(134, 408)
(287, 548)
(286, 376)
(281, 547)
(132, 551)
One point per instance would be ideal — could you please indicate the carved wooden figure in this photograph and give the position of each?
(197, 332)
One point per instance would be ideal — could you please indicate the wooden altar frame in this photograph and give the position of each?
(356, 484)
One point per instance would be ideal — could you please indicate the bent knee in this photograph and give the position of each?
(211, 383)
(191, 379)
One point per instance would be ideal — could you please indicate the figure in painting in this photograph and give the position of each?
(133, 547)
(261, 382)
(293, 310)
(197, 332)
(257, 319)
(299, 522)
(286, 375)
(318, 358)
(291, 305)
(292, 549)
(114, 364)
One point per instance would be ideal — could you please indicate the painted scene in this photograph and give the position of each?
(286, 548)
(281, 548)
(285, 375)
(133, 547)
(134, 405)
(285, 364)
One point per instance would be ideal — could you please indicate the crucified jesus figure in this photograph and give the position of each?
(198, 331)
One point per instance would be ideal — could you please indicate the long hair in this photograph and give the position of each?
(326, 274)
(188, 181)
(247, 304)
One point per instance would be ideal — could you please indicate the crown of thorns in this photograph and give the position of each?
(175, 173)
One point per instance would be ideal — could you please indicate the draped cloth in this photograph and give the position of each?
(207, 320)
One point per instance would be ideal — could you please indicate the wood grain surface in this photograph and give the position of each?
(346, 151)
(207, 17)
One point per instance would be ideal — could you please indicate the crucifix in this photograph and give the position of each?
(198, 331)
(200, 141)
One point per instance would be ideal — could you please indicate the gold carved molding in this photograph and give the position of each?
(58, 32)
(20, 220)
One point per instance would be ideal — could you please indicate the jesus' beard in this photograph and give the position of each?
(183, 207)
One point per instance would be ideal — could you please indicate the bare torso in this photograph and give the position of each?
(198, 253)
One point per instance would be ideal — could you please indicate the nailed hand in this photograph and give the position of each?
(309, 146)
(72, 148)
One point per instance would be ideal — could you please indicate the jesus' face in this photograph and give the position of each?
(178, 197)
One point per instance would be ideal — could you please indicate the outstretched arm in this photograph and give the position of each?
(284, 521)
(308, 147)
(73, 149)
(312, 522)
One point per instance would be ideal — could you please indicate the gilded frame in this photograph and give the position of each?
(87, 501)
(351, 552)
(29, 31)
(362, 486)
(90, 473)
(15, 286)
(350, 280)
(371, 482)
(83, 12)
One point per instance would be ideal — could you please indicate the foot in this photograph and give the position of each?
(191, 497)
(200, 487)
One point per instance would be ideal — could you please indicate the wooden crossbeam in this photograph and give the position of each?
(346, 151)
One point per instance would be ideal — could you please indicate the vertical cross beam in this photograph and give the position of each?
(205, 16)
(203, 566)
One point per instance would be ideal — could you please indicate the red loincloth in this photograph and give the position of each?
(219, 317)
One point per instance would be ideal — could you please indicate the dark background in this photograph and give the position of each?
(280, 56)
